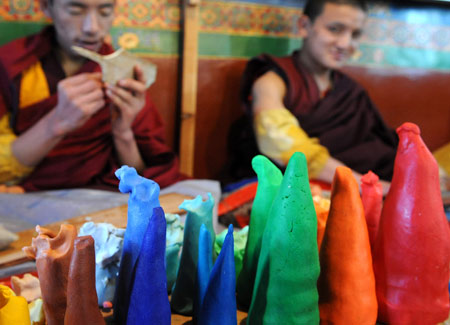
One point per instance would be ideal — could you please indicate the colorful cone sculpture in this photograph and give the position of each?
(53, 254)
(372, 200)
(149, 303)
(412, 251)
(13, 309)
(198, 213)
(346, 284)
(143, 199)
(285, 290)
(322, 207)
(219, 303)
(82, 306)
(204, 267)
(269, 180)
(172, 260)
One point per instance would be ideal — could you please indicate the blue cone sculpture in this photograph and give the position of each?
(149, 302)
(204, 267)
(143, 199)
(219, 302)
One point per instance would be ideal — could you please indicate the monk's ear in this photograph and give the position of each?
(304, 24)
(45, 7)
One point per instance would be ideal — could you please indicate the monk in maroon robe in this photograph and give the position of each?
(303, 103)
(87, 155)
(345, 120)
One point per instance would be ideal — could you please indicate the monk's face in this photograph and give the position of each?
(82, 23)
(334, 35)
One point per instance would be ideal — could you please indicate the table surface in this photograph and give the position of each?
(116, 216)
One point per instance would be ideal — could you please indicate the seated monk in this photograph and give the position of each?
(60, 125)
(304, 103)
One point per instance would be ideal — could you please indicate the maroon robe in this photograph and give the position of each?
(85, 157)
(345, 121)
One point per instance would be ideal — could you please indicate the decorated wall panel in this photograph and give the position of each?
(396, 35)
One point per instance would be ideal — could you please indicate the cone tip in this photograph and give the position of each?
(408, 127)
(370, 178)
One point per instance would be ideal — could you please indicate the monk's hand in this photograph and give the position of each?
(79, 97)
(128, 99)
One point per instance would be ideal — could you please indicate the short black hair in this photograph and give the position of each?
(313, 8)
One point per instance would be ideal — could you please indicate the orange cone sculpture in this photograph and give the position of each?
(346, 284)
(372, 199)
(412, 251)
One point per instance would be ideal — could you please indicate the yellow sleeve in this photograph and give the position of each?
(279, 135)
(442, 156)
(11, 170)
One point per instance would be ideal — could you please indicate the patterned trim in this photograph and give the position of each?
(21, 10)
(395, 35)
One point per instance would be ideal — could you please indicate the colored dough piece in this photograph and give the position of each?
(285, 290)
(198, 213)
(144, 197)
(269, 180)
(149, 302)
(347, 283)
(412, 251)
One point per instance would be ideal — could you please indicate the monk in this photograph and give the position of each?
(304, 103)
(60, 125)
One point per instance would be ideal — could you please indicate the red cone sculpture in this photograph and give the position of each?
(372, 200)
(412, 251)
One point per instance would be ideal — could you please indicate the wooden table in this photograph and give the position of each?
(116, 216)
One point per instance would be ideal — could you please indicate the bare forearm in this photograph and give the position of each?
(33, 145)
(327, 174)
(128, 151)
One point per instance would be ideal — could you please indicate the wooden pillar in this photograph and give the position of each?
(189, 86)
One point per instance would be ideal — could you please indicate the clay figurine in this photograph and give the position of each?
(218, 306)
(288, 265)
(27, 287)
(346, 283)
(269, 180)
(204, 267)
(13, 309)
(149, 302)
(82, 307)
(53, 254)
(36, 309)
(144, 197)
(372, 199)
(412, 249)
(108, 251)
(198, 213)
(174, 242)
(240, 241)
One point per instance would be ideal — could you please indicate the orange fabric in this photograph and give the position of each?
(33, 86)
(13, 189)
(347, 283)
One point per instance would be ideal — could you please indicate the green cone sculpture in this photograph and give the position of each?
(285, 290)
(269, 180)
(198, 212)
